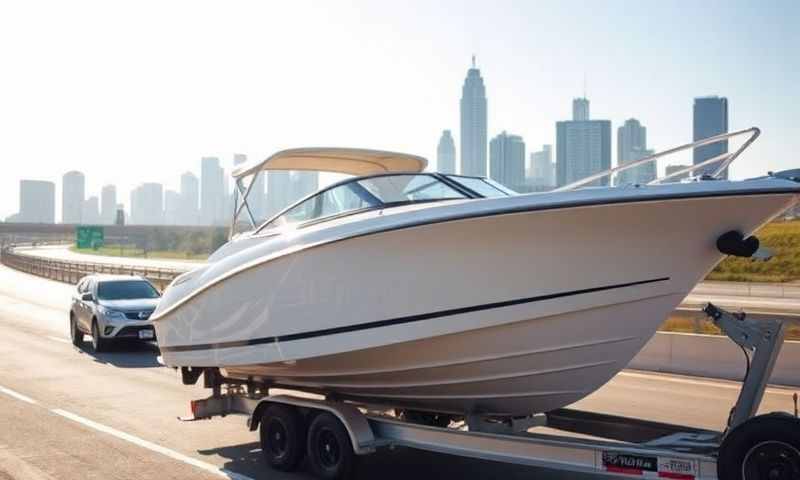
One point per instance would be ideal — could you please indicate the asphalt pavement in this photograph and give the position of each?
(69, 413)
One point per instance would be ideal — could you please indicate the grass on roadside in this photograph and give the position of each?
(783, 238)
(700, 324)
(132, 251)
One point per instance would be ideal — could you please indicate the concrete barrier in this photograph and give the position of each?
(711, 356)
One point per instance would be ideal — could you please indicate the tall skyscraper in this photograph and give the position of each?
(473, 124)
(212, 191)
(543, 170)
(91, 211)
(710, 118)
(108, 204)
(507, 160)
(147, 204)
(73, 193)
(631, 146)
(446, 153)
(37, 202)
(190, 197)
(583, 146)
(580, 109)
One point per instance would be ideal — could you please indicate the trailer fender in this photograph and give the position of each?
(356, 424)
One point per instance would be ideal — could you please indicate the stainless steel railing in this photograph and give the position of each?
(724, 160)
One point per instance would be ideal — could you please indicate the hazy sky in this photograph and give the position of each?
(139, 91)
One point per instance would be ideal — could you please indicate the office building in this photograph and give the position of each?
(631, 146)
(108, 204)
(507, 160)
(473, 124)
(710, 118)
(583, 146)
(37, 202)
(446, 153)
(172, 208)
(73, 194)
(212, 192)
(91, 211)
(543, 171)
(190, 198)
(147, 204)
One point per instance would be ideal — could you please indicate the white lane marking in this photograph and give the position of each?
(18, 396)
(59, 339)
(220, 472)
(687, 381)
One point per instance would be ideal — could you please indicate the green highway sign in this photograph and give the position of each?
(89, 236)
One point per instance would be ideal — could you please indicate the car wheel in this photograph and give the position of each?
(99, 344)
(75, 333)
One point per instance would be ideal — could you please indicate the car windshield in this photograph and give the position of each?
(366, 193)
(125, 290)
(483, 186)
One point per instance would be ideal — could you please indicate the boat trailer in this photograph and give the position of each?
(331, 432)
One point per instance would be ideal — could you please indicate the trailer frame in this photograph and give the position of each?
(574, 441)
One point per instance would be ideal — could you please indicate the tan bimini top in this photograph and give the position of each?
(351, 161)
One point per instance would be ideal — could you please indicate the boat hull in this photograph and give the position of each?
(530, 366)
(510, 313)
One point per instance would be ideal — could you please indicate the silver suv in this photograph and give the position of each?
(110, 307)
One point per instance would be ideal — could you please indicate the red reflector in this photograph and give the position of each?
(675, 476)
(627, 471)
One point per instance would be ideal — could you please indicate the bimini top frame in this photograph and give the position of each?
(350, 161)
(724, 159)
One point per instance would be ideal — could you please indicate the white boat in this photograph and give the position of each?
(447, 294)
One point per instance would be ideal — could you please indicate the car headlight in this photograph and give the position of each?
(112, 314)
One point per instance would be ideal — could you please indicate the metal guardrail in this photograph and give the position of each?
(71, 271)
(749, 289)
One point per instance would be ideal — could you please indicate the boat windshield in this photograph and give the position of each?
(363, 194)
(484, 187)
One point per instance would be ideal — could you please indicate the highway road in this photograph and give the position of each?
(67, 413)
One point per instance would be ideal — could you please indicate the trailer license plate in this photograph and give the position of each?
(145, 334)
(648, 466)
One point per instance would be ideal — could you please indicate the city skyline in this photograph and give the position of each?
(373, 94)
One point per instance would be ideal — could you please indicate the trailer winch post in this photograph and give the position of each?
(763, 339)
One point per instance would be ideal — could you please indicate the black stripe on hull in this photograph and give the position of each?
(402, 320)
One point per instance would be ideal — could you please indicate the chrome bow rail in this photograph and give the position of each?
(724, 159)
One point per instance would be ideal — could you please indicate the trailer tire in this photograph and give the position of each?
(282, 437)
(330, 453)
(766, 447)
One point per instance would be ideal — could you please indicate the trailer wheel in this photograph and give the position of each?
(766, 447)
(330, 453)
(282, 437)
